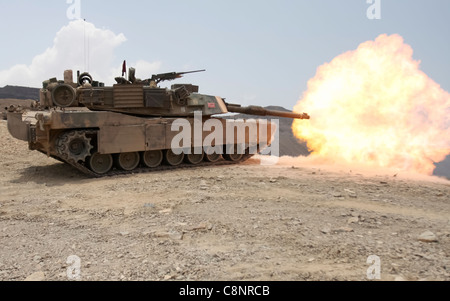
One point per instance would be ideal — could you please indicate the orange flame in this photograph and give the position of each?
(374, 106)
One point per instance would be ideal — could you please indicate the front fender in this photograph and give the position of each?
(18, 128)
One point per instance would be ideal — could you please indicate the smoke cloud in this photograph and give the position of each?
(80, 46)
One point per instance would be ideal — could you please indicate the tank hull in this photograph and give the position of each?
(101, 143)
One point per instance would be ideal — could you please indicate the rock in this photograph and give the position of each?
(351, 193)
(161, 234)
(203, 185)
(202, 226)
(428, 257)
(165, 211)
(353, 219)
(198, 200)
(124, 233)
(427, 236)
(325, 230)
(399, 278)
(176, 235)
(37, 258)
(37, 276)
(343, 229)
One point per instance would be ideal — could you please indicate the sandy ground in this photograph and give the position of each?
(292, 221)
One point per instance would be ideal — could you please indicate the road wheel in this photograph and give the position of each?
(194, 158)
(100, 163)
(127, 161)
(152, 159)
(173, 159)
(232, 154)
(214, 157)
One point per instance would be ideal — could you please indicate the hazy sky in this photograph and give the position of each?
(255, 52)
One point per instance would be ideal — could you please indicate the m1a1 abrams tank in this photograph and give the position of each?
(132, 126)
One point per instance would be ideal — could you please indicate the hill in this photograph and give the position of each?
(443, 168)
(17, 92)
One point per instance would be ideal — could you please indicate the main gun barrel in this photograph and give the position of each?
(260, 111)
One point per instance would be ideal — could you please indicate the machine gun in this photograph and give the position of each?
(157, 78)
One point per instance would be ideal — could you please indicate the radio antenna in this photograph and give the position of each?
(86, 48)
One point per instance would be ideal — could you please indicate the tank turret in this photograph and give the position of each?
(132, 125)
(143, 97)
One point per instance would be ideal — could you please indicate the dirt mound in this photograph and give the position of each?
(6, 103)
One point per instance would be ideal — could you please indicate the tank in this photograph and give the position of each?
(137, 126)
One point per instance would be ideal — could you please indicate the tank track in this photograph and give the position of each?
(62, 156)
(142, 170)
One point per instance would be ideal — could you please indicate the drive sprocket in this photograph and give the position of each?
(74, 146)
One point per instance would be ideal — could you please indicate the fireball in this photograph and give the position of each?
(375, 106)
